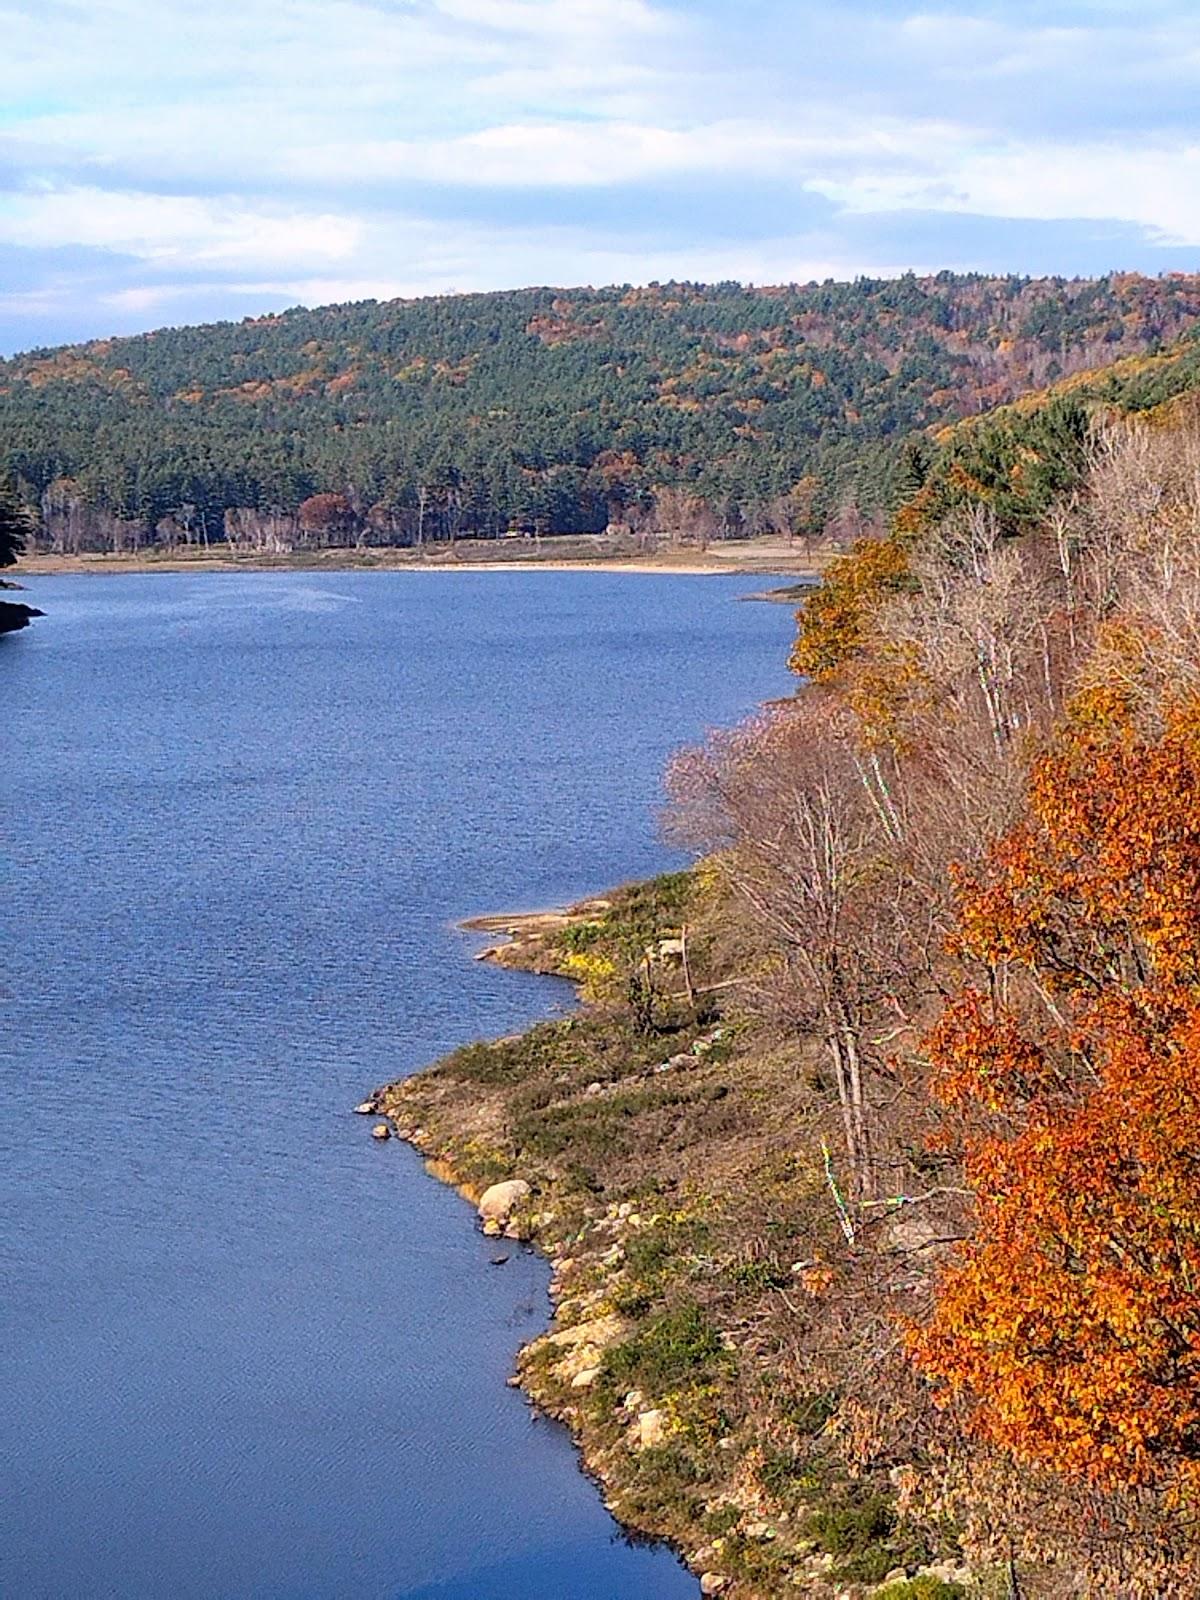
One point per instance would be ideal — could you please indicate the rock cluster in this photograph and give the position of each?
(497, 1205)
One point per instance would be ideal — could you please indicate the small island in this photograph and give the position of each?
(14, 615)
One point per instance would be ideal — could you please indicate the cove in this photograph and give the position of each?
(245, 1351)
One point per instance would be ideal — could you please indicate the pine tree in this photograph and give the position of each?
(14, 529)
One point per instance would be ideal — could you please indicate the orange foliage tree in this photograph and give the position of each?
(1070, 1322)
(835, 620)
(327, 517)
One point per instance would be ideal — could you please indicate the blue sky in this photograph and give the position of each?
(166, 161)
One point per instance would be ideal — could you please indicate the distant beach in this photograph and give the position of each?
(741, 558)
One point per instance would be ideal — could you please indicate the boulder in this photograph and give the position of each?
(600, 1331)
(368, 1108)
(946, 1572)
(652, 1430)
(496, 1203)
(575, 1359)
(713, 1583)
(910, 1234)
(381, 1131)
(585, 1379)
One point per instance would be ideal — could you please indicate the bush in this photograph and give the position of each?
(675, 1350)
(580, 936)
(922, 1588)
(852, 1528)
(506, 1060)
(655, 1251)
(665, 1485)
(783, 1475)
(807, 1413)
(761, 1275)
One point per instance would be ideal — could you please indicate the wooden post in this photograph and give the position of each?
(687, 975)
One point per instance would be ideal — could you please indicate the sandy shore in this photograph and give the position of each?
(755, 559)
(523, 924)
(523, 934)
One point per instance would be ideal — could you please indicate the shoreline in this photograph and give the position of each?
(525, 932)
(749, 561)
(563, 1341)
(624, 1153)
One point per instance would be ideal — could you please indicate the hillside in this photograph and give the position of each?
(678, 410)
(868, 1167)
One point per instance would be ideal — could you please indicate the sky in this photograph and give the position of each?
(176, 161)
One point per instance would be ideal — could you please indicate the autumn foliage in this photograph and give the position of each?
(836, 620)
(329, 516)
(969, 860)
(1070, 1061)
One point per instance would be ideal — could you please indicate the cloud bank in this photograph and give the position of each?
(176, 160)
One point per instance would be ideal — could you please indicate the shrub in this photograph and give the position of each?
(580, 936)
(922, 1588)
(674, 1350)
(852, 1528)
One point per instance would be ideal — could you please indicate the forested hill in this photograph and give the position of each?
(684, 408)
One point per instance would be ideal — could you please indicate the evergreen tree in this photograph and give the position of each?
(14, 529)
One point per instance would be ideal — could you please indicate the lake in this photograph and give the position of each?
(246, 1351)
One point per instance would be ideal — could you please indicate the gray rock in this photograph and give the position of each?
(652, 1430)
(496, 1203)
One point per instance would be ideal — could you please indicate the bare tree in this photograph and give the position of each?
(803, 845)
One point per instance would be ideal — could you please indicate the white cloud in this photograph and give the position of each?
(1156, 187)
(612, 153)
(587, 20)
(174, 228)
(354, 148)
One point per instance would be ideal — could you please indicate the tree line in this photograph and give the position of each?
(675, 411)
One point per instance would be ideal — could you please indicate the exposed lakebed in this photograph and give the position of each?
(246, 1351)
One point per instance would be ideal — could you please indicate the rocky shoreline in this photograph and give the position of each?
(14, 616)
(565, 1359)
(648, 1381)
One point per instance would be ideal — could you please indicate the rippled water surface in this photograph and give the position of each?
(244, 1351)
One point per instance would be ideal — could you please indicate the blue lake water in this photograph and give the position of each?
(245, 1351)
